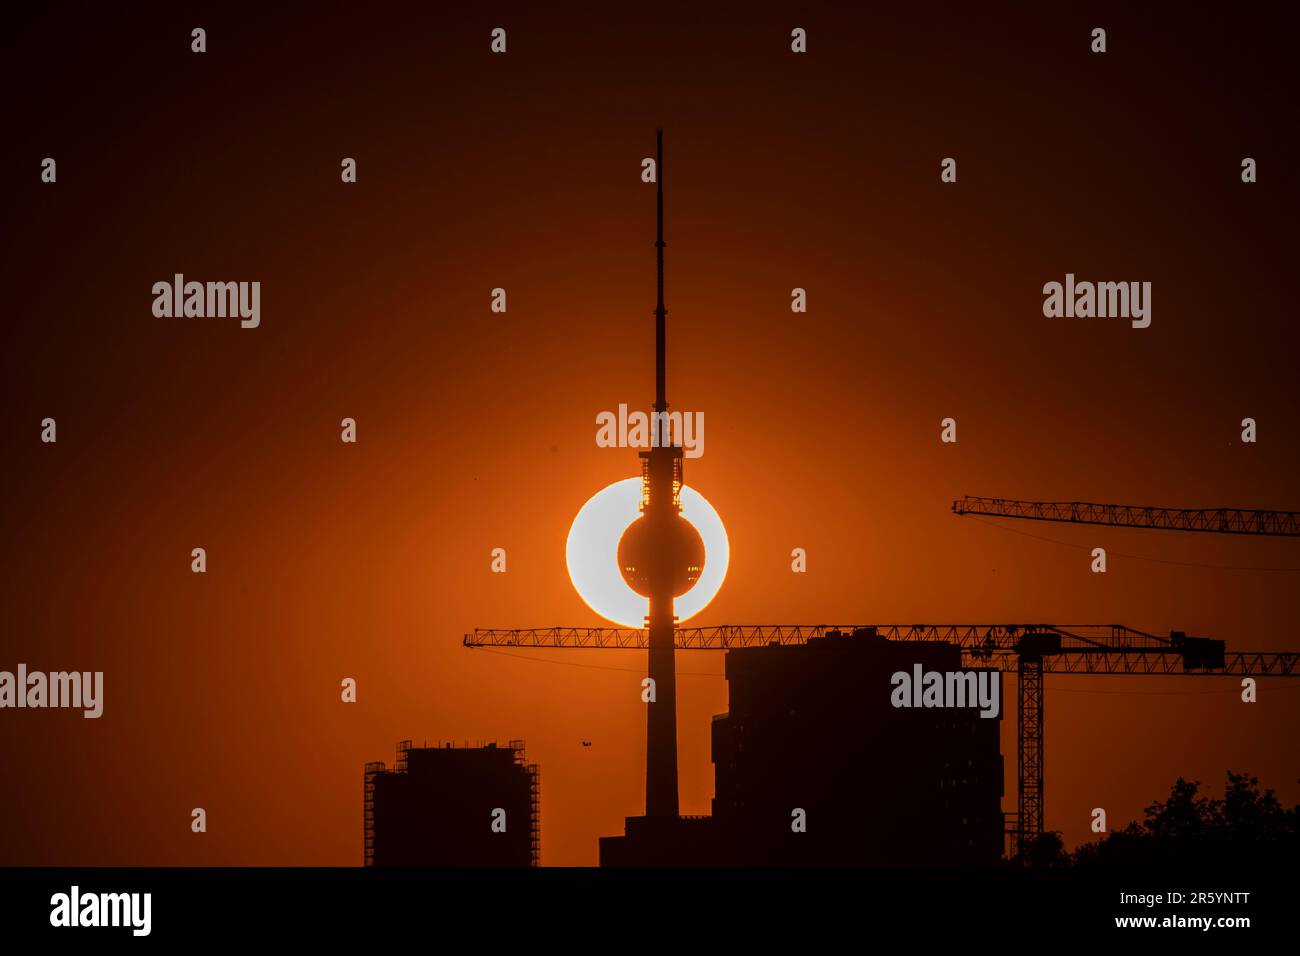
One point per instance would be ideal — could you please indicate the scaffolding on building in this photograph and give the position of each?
(373, 768)
(534, 772)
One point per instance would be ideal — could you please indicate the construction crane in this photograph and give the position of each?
(1032, 650)
(1219, 520)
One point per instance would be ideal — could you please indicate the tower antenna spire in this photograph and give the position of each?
(661, 400)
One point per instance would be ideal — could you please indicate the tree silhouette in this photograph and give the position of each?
(1246, 826)
(1047, 849)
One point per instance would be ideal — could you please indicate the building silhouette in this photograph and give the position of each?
(811, 727)
(453, 806)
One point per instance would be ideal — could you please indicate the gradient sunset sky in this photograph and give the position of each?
(476, 430)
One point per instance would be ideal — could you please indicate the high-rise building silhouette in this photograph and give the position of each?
(812, 728)
(453, 806)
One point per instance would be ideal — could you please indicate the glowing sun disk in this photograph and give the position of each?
(592, 553)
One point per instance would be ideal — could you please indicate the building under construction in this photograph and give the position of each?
(453, 806)
(814, 766)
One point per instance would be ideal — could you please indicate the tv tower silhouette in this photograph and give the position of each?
(661, 554)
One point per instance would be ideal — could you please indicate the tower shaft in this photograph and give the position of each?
(661, 715)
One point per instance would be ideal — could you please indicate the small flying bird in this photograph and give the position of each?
(586, 743)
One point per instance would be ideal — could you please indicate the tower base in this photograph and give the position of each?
(665, 841)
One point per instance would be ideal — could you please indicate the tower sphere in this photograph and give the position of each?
(669, 538)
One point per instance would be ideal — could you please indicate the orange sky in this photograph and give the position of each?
(476, 430)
